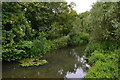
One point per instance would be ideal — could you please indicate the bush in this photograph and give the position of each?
(106, 46)
(48, 46)
(18, 51)
(26, 49)
(40, 47)
(55, 31)
(85, 37)
(91, 47)
(110, 45)
(105, 65)
(96, 55)
(37, 48)
(10, 52)
(60, 42)
(77, 39)
(26, 46)
(103, 56)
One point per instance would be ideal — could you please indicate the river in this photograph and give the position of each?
(67, 62)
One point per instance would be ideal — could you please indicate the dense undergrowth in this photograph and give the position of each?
(37, 47)
(104, 59)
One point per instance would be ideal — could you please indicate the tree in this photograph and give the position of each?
(105, 19)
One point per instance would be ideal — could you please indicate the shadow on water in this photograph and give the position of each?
(62, 63)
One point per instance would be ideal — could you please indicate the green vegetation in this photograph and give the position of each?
(32, 62)
(104, 64)
(31, 30)
(76, 39)
(104, 46)
(28, 33)
(60, 42)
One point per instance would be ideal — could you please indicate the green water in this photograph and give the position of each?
(62, 63)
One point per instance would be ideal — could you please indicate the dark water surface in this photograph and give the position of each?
(62, 63)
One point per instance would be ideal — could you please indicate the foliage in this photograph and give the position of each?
(14, 52)
(11, 50)
(102, 56)
(28, 27)
(106, 45)
(40, 47)
(82, 23)
(33, 29)
(55, 31)
(32, 62)
(14, 29)
(14, 20)
(60, 42)
(26, 49)
(43, 15)
(76, 39)
(105, 19)
(105, 65)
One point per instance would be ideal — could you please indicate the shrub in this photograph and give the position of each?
(105, 65)
(26, 49)
(103, 70)
(12, 50)
(91, 47)
(106, 46)
(26, 46)
(96, 55)
(103, 56)
(37, 48)
(18, 51)
(11, 53)
(40, 47)
(110, 45)
(48, 45)
(85, 37)
(60, 42)
(77, 39)
(55, 31)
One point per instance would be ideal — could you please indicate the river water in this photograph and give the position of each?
(62, 63)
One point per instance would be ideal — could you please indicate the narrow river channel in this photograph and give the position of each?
(62, 63)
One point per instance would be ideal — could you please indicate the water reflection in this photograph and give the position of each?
(79, 71)
(78, 74)
(62, 63)
(60, 71)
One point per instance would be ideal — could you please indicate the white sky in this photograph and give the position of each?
(82, 5)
